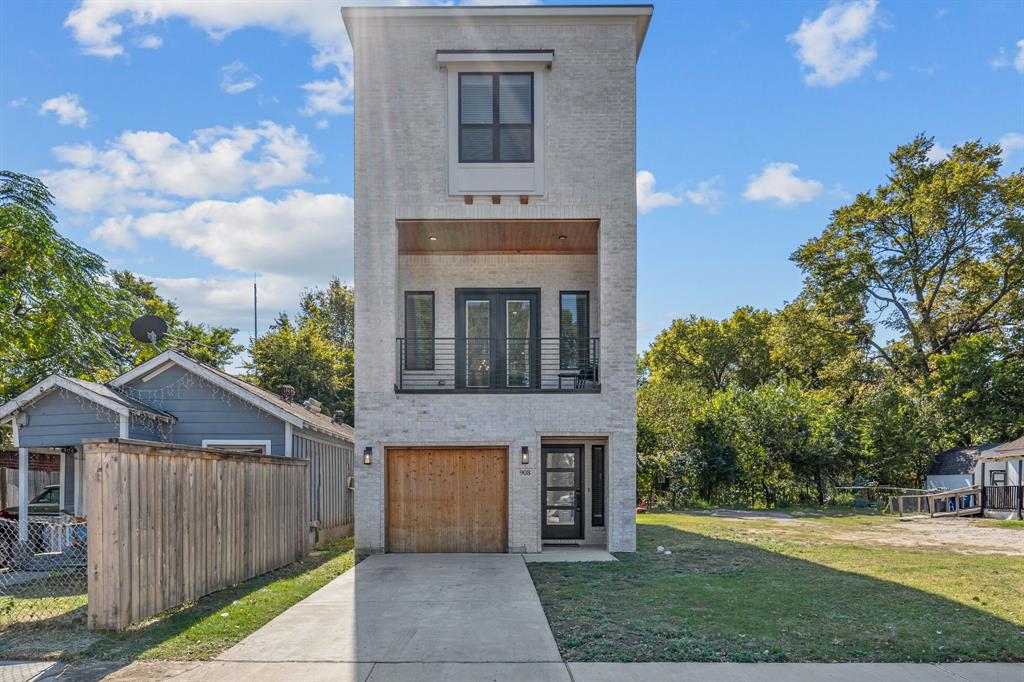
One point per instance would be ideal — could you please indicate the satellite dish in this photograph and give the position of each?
(148, 329)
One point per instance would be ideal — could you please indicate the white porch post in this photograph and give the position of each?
(22, 482)
(23, 495)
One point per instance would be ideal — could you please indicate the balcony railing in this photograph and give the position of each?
(508, 365)
(1003, 497)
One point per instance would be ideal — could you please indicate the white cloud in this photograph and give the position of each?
(18, 103)
(708, 194)
(323, 124)
(647, 199)
(146, 168)
(328, 97)
(778, 182)
(1011, 144)
(99, 26)
(301, 235)
(235, 78)
(299, 241)
(68, 110)
(938, 153)
(833, 48)
(1003, 59)
(228, 300)
(116, 233)
(149, 41)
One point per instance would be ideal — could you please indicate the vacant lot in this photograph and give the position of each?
(742, 586)
(199, 630)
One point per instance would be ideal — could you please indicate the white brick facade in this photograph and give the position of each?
(401, 173)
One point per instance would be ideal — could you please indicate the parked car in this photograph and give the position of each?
(46, 503)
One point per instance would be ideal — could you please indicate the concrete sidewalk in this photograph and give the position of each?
(525, 672)
(458, 618)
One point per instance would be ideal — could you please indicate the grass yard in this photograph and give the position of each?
(199, 630)
(835, 586)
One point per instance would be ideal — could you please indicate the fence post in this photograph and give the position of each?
(981, 492)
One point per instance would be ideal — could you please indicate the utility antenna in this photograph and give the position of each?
(255, 314)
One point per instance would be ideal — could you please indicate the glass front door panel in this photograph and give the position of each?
(517, 343)
(561, 494)
(478, 344)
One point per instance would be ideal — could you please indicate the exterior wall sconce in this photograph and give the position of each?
(368, 455)
(23, 419)
(526, 454)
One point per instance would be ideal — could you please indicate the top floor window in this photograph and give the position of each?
(495, 117)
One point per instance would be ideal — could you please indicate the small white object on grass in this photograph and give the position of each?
(668, 552)
(660, 549)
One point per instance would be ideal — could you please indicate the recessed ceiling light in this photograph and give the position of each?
(433, 237)
(562, 237)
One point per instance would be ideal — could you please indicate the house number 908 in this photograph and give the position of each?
(526, 472)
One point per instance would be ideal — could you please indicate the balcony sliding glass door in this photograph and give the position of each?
(496, 338)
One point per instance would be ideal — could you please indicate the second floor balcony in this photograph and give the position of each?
(504, 364)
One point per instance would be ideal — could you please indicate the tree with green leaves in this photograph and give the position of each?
(59, 310)
(213, 345)
(713, 354)
(932, 256)
(315, 353)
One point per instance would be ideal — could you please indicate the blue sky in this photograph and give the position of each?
(198, 143)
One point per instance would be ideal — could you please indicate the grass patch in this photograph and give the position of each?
(194, 631)
(1001, 523)
(757, 588)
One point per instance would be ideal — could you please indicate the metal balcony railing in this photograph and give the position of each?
(509, 365)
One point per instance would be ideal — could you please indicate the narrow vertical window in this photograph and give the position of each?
(419, 330)
(574, 329)
(495, 117)
(597, 486)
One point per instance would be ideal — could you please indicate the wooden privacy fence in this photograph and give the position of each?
(171, 523)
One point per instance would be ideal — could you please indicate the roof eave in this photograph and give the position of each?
(640, 13)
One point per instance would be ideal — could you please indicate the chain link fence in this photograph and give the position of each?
(42, 577)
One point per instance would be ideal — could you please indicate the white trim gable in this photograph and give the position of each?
(220, 382)
(52, 383)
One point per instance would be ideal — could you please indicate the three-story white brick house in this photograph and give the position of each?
(495, 265)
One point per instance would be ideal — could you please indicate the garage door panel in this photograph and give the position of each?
(447, 500)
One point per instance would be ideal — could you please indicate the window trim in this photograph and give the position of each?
(598, 484)
(586, 349)
(992, 477)
(221, 442)
(433, 328)
(496, 124)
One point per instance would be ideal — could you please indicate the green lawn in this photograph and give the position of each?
(198, 630)
(836, 586)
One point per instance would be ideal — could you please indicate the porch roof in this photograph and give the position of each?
(481, 237)
(1007, 452)
(101, 394)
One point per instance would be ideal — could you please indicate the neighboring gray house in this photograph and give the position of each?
(495, 259)
(962, 468)
(173, 398)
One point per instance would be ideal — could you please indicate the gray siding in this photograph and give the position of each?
(144, 429)
(330, 465)
(59, 420)
(205, 411)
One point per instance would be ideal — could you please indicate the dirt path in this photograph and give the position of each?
(964, 536)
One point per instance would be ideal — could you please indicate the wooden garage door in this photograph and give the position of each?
(447, 500)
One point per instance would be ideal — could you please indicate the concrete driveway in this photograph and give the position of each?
(410, 616)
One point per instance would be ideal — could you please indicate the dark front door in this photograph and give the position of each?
(561, 492)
